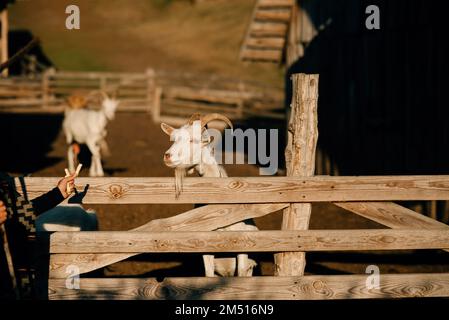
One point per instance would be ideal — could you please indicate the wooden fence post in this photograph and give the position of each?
(157, 105)
(300, 161)
(151, 87)
(4, 38)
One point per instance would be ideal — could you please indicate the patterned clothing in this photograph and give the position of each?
(23, 210)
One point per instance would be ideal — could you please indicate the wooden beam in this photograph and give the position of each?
(267, 55)
(204, 218)
(247, 241)
(4, 39)
(93, 75)
(282, 15)
(269, 42)
(117, 190)
(263, 29)
(300, 161)
(392, 215)
(255, 288)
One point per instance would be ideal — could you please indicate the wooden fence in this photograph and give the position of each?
(166, 96)
(230, 200)
(244, 198)
(48, 93)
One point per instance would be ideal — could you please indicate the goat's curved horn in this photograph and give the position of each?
(215, 116)
(194, 117)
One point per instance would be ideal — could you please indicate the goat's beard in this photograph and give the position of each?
(180, 173)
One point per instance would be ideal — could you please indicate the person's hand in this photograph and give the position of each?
(3, 212)
(64, 182)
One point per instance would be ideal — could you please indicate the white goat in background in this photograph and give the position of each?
(191, 150)
(84, 126)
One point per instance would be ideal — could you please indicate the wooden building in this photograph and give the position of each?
(382, 104)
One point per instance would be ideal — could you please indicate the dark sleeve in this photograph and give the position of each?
(47, 201)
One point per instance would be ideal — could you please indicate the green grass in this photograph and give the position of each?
(120, 35)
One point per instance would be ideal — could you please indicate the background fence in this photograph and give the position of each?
(167, 96)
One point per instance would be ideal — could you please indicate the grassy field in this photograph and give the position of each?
(120, 35)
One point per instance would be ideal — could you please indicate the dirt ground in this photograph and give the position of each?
(137, 145)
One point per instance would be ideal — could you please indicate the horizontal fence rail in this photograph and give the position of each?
(249, 189)
(247, 241)
(256, 288)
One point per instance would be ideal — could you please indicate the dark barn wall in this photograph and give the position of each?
(382, 98)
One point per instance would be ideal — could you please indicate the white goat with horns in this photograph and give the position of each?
(84, 126)
(191, 151)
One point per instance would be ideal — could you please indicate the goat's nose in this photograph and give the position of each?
(166, 156)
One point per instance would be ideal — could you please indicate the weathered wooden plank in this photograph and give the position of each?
(255, 288)
(211, 95)
(247, 241)
(268, 29)
(115, 190)
(269, 42)
(300, 160)
(16, 102)
(268, 54)
(282, 15)
(4, 40)
(392, 215)
(95, 75)
(19, 93)
(204, 218)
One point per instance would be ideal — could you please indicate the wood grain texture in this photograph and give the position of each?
(204, 218)
(392, 215)
(114, 190)
(300, 160)
(282, 15)
(256, 288)
(247, 241)
(266, 54)
(4, 39)
(269, 42)
(265, 29)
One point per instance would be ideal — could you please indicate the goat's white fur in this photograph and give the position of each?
(89, 127)
(206, 166)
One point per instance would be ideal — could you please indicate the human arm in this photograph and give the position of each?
(54, 197)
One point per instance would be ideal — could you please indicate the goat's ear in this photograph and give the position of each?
(166, 128)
